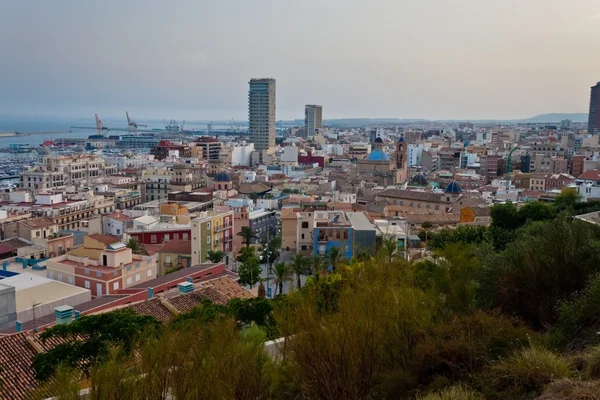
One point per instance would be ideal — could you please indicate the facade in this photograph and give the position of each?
(116, 224)
(261, 113)
(58, 172)
(174, 255)
(210, 148)
(594, 116)
(263, 223)
(313, 118)
(213, 230)
(104, 265)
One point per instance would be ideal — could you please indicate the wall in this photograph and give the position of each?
(8, 306)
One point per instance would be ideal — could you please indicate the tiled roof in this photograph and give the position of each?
(229, 288)
(185, 302)
(16, 373)
(38, 222)
(118, 217)
(411, 195)
(177, 247)
(106, 239)
(590, 175)
(153, 308)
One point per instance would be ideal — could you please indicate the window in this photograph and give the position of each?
(86, 271)
(208, 239)
(167, 259)
(166, 238)
(98, 274)
(87, 284)
(70, 279)
(303, 247)
(208, 225)
(129, 281)
(304, 225)
(118, 231)
(137, 277)
(176, 236)
(129, 268)
(51, 274)
(185, 236)
(153, 238)
(59, 277)
(116, 286)
(150, 272)
(303, 236)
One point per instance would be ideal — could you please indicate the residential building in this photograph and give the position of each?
(166, 148)
(261, 113)
(213, 230)
(116, 224)
(174, 255)
(210, 148)
(263, 223)
(241, 153)
(594, 115)
(151, 230)
(313, 118)
(104, 265)
(58, 172)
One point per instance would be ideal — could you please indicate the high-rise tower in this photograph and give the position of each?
(594, 117)
(261, 113)
(313, 118)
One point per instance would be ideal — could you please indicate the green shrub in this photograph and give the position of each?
(591, 369)
(528, 370)
(457, 392)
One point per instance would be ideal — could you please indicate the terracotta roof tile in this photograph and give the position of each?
(228, 288)
(106, 239)
(16, 373)
(185, 302)
(177, 247)
(153, 308)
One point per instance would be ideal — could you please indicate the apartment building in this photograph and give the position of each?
(104, 265)
(61, 171)
(213, 230)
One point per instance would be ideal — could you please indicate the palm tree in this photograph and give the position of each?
(262, 292)
(334, 257)
(282, 273)
(215, 256)
(316, 265)
(247, 234)
(136, 247)
(298, 267)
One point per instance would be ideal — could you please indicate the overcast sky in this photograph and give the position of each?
(192, 59)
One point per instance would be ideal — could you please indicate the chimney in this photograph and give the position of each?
(150, 292)
(185, 287)
(19, 326)
(63, 314)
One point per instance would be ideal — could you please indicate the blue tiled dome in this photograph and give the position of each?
(401, 139)
(378, 155)
(222, 177)
(453, 187)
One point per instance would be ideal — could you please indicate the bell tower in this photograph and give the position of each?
(401, 159)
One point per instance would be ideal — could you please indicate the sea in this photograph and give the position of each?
(39, 129)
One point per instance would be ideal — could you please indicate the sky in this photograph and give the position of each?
(192, 59)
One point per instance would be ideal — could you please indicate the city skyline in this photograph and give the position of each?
(403, 59)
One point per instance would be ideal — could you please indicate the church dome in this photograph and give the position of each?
(419, 180)
(222, 177)
(401, 139)
(453, 187)
(378, 155)
(79, 149)
(379, 140)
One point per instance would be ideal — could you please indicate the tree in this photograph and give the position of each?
(247, 235)
(282, 274)
(262, 292)
(334, 257)
(117, 328)
(215, 256)
(505, 216)
(426, 225)
(245, 253)
(298, 266)
(136, 247)
(250, 271)
(317, 265)
(567, 199)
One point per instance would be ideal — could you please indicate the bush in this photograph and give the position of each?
(457, 392)
(466, 344)
(529, 370)
(591, 369)
(572, 390)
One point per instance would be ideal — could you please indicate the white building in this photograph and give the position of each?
(289, 155)
(415, 154)
(333, 149)
(241, 153)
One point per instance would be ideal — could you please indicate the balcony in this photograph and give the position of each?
(221, 228)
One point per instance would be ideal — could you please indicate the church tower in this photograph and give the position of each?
(402, 159)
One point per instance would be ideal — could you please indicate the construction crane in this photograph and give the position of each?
(132, 126)
(99, 127)
(509, 167)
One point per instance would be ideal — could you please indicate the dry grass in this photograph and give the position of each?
(572, 390)
(457, 392)
(529, 370)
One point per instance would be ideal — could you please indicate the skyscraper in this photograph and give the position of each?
(313, 118)
(261, 113)
(594, 117)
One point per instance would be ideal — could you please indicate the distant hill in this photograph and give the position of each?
(556, 117)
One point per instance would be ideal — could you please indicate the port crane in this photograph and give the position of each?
(132, 126)
(100, 129)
